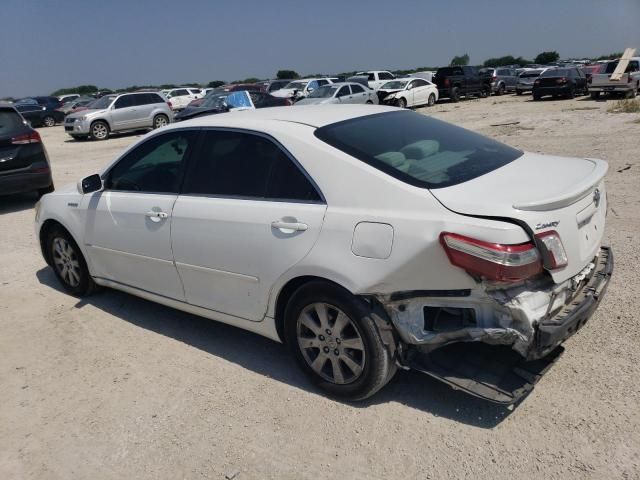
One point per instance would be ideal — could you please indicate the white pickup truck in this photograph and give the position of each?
(377, 78)
(628, 83)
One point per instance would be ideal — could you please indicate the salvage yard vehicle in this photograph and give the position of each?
(456, 82)
(526, 79)
(628, 84)
(40, 115)
(24, 164)
(119, 113)
(181, 97)
(376, 78)
(229, 101)
(449, 252)
(301, 88)
(560, 82)
(346, 92)
(503, 79)
(408, 92)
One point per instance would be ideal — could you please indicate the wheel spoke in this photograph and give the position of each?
(310, 323)
(319, 362)
(306, 343)
(337, 370)
(351, 365)
(74, 278)
(352, 343)
(321, 311)
(341, 321)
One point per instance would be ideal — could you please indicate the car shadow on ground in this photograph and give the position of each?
(134, 133)
(272, 359)
(17, 203)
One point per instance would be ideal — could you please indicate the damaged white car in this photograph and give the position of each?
(365, 238)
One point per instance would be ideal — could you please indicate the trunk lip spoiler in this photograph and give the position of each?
(581, 190)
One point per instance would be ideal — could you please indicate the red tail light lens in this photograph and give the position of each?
(169, 103)
(553, 252)
(32, 137)
(492, 261)
(589, 78)
(446, 82)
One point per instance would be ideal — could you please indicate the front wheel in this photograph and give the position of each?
(401, 103)
(432, 100)
(49, 121)
(500, 90)
(68, 262)
(518, 92)
(536, 97)
(334, 339)
(160, 121)
(99, 130)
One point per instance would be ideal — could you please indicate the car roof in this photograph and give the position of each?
(312, 115)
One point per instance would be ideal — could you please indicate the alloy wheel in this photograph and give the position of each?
(99, 131)
(66, 261)
(330, 343)
(161, 121)
(49, 121)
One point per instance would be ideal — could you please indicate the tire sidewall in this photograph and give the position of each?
(431, 100)
(155, 119)
(99, 122)
(86, 283)
(378, 361)
(51, 124)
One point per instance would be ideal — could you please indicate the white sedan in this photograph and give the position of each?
(408, 92)
(366, 238)
(344, 92)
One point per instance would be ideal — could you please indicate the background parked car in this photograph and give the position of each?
(526, 79)
(226, 101)
(72, 105)
(24, 165)
(118, 113)
(502, 79)
(340, 93)
(377, 78)
(566, 82)
(273, 85)
(301, 88)
(408, 92)
(628, 84)
(39, 115)
(181, 97)
(455, 82)
(68, 98)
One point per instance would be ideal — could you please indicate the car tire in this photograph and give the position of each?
(631, 93)
(43, 191)
(68, 263)
(500, 90)
(401, 103)
(571, 93)
(354, 372)
(160, 121)
(369, 102)
(518, 92)
(455, 94)
(99, 130)
(536, 97)
(431, 101)
(48, 121)
(595, 95)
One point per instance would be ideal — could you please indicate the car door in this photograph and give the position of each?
(128, 225)
(247, 213)
(358, 93)
(123, 113)
(344, 95)
(420, 92)
(409, 93)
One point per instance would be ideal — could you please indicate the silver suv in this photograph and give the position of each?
(119, 113)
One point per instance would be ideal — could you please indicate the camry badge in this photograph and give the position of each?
(540, 226)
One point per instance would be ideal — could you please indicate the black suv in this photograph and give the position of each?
(24, 165)
(455, 82)
(565, 82)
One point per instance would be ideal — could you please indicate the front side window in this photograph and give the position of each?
(236, 164)
(124, 101)
(155, 166)
(417, 149)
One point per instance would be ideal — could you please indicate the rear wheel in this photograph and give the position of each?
(49, 121)
(160, 121)
(595, 95)
(518, 92)
(455, 94)
(68, 263)
(631, 93)
(99, 130)
(336, 342)
(536, 96)
(432, 100)
(571, 93)
(369, 102)
(500, 90)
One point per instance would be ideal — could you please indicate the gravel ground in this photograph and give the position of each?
(114, 387)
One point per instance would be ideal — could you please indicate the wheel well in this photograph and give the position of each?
(285, 294)
(47, 226)
(101, 120)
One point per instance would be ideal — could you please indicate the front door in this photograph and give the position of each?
(128, 225)
(124, 113)
(247, 214)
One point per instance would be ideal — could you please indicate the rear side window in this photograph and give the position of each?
(9, 121)
(235, 164)
(417, 149)
(357, 89)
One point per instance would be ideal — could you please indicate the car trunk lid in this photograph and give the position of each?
(554, 193)
(12, 126)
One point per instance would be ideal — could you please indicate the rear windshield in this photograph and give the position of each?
(631, 67)
(9, 121)
(417, 149)
(555, 72)
(535, 73)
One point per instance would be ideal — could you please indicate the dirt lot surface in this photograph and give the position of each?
(115, 387)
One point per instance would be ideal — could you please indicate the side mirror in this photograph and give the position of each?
(310, 90)
(90, 184)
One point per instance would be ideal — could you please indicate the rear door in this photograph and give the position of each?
(128, 224)
(247, 214)
(359, 95)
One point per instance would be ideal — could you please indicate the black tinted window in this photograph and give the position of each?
(417, 149)
(124, 101)
(344, 91)
(155, 166)
(385, 76)
(9, 121)
(356, 89)
(244, 165)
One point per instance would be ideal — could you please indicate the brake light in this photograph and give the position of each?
(629, 79)
(492, 261)
(446, 82)
(31, 137)
(169, 103)
(554, 255)
(589, 78)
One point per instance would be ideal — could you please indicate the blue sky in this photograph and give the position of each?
(47, 44)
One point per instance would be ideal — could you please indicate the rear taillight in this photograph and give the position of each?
(31, 137)
(169, 103)
(446, 82)
(553, 252)
(492, 261)
(629, 79)
(589, 78)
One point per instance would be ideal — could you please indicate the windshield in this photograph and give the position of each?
(555, 72)
(324, 92)
(103, 102)
(530, 74)
(296, 85)
(417, 149)
(395, 85)
(217, 101)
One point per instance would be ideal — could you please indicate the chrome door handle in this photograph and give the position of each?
(156, 216)
(293, 226)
